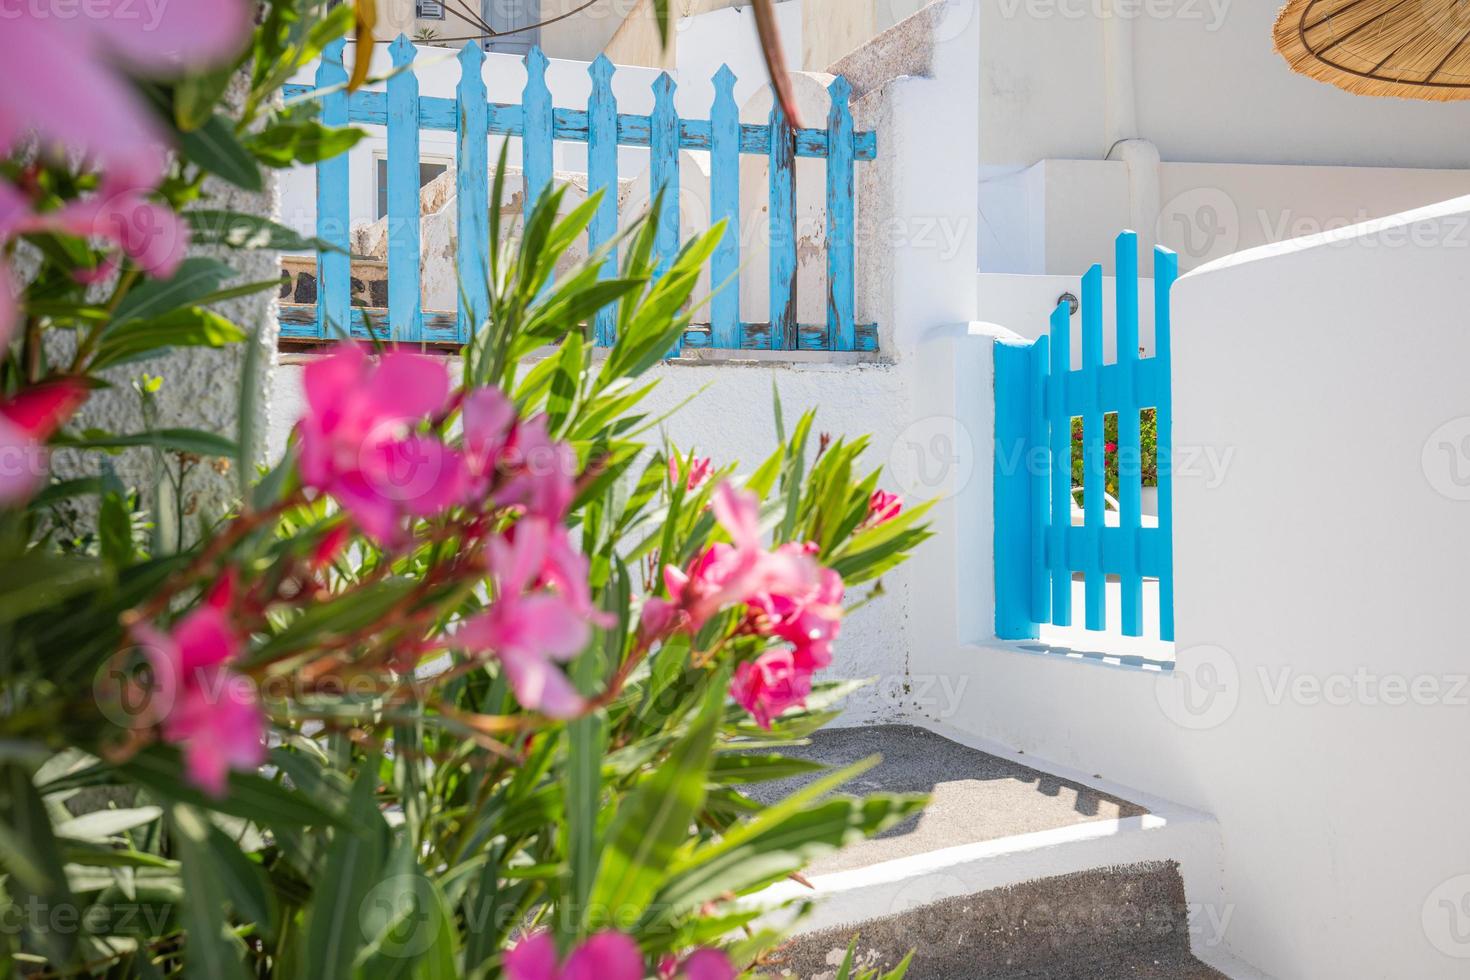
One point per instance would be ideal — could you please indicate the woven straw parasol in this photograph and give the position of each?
(1414, 49)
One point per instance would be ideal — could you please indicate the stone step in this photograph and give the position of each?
(1092, 925)
(1016, 870)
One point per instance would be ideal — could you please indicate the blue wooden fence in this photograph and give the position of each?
(1039, 542)
(603, 128)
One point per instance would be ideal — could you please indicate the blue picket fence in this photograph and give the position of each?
(538, 123)
(1040, 543)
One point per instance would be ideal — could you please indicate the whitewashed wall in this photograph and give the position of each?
(1200, 80)
(1319, 705)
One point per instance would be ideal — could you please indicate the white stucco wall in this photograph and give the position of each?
(1318, 709)
(1060, 216)
(1209, 88)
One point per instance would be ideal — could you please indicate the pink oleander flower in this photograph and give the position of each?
(530, 632)
(770, 684)
(809, 620)
(605, 956)
(702, 964)
(882, 508)
(26, 422)
(728, 574)
(61, 73)
(516, 462)
(201, 704)
(358, 443)
(699, 469)
(148, 232)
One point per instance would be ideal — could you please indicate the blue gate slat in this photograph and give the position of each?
(405, 319)
(472, 188)
(334, 268)
(1130, 473)
(602, 175)
(1060, 465)
(1013, 492)
(1166, 271)
(1118, 546)
(1110, 381)
(1094, 474)
(724, 182)
(664, 177)
(1039, 482)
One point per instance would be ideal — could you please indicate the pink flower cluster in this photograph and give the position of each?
(362, 443)
(201, 704)
(359, 444)
(607, 956)
(63, 81)
(542, 614)
(787, 595)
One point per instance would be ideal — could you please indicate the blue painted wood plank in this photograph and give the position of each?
(536, 138)
(1166, 271)
(1061, 464)
(664, 176)
(334, 269)
(841, 251)
(371, 108)
(1038, 448)
(405, 319)
(472, 190)
(1012, 493)
(783, 233)
(1130, 473)
(298, 324)
(725, 206)
(1094, 475)
(602, 175)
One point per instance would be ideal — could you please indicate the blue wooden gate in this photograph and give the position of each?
(1040, 543)
(538, 123)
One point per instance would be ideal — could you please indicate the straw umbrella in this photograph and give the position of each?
(1413, 49)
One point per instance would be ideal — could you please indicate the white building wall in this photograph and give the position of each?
(1209, 88)
(1318, 707)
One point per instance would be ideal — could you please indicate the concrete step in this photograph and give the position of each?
(1092, 925)
(1016, 870)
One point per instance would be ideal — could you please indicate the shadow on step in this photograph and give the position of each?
(1104, 924)
(975, 796)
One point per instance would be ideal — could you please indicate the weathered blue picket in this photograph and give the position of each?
(840, 246)
(472, 190)
(334, 268)
(724, 188)
(539, 124)
(1039, 545)
(405, 320)
(536, 143)
(783, 233)
(602, 175)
